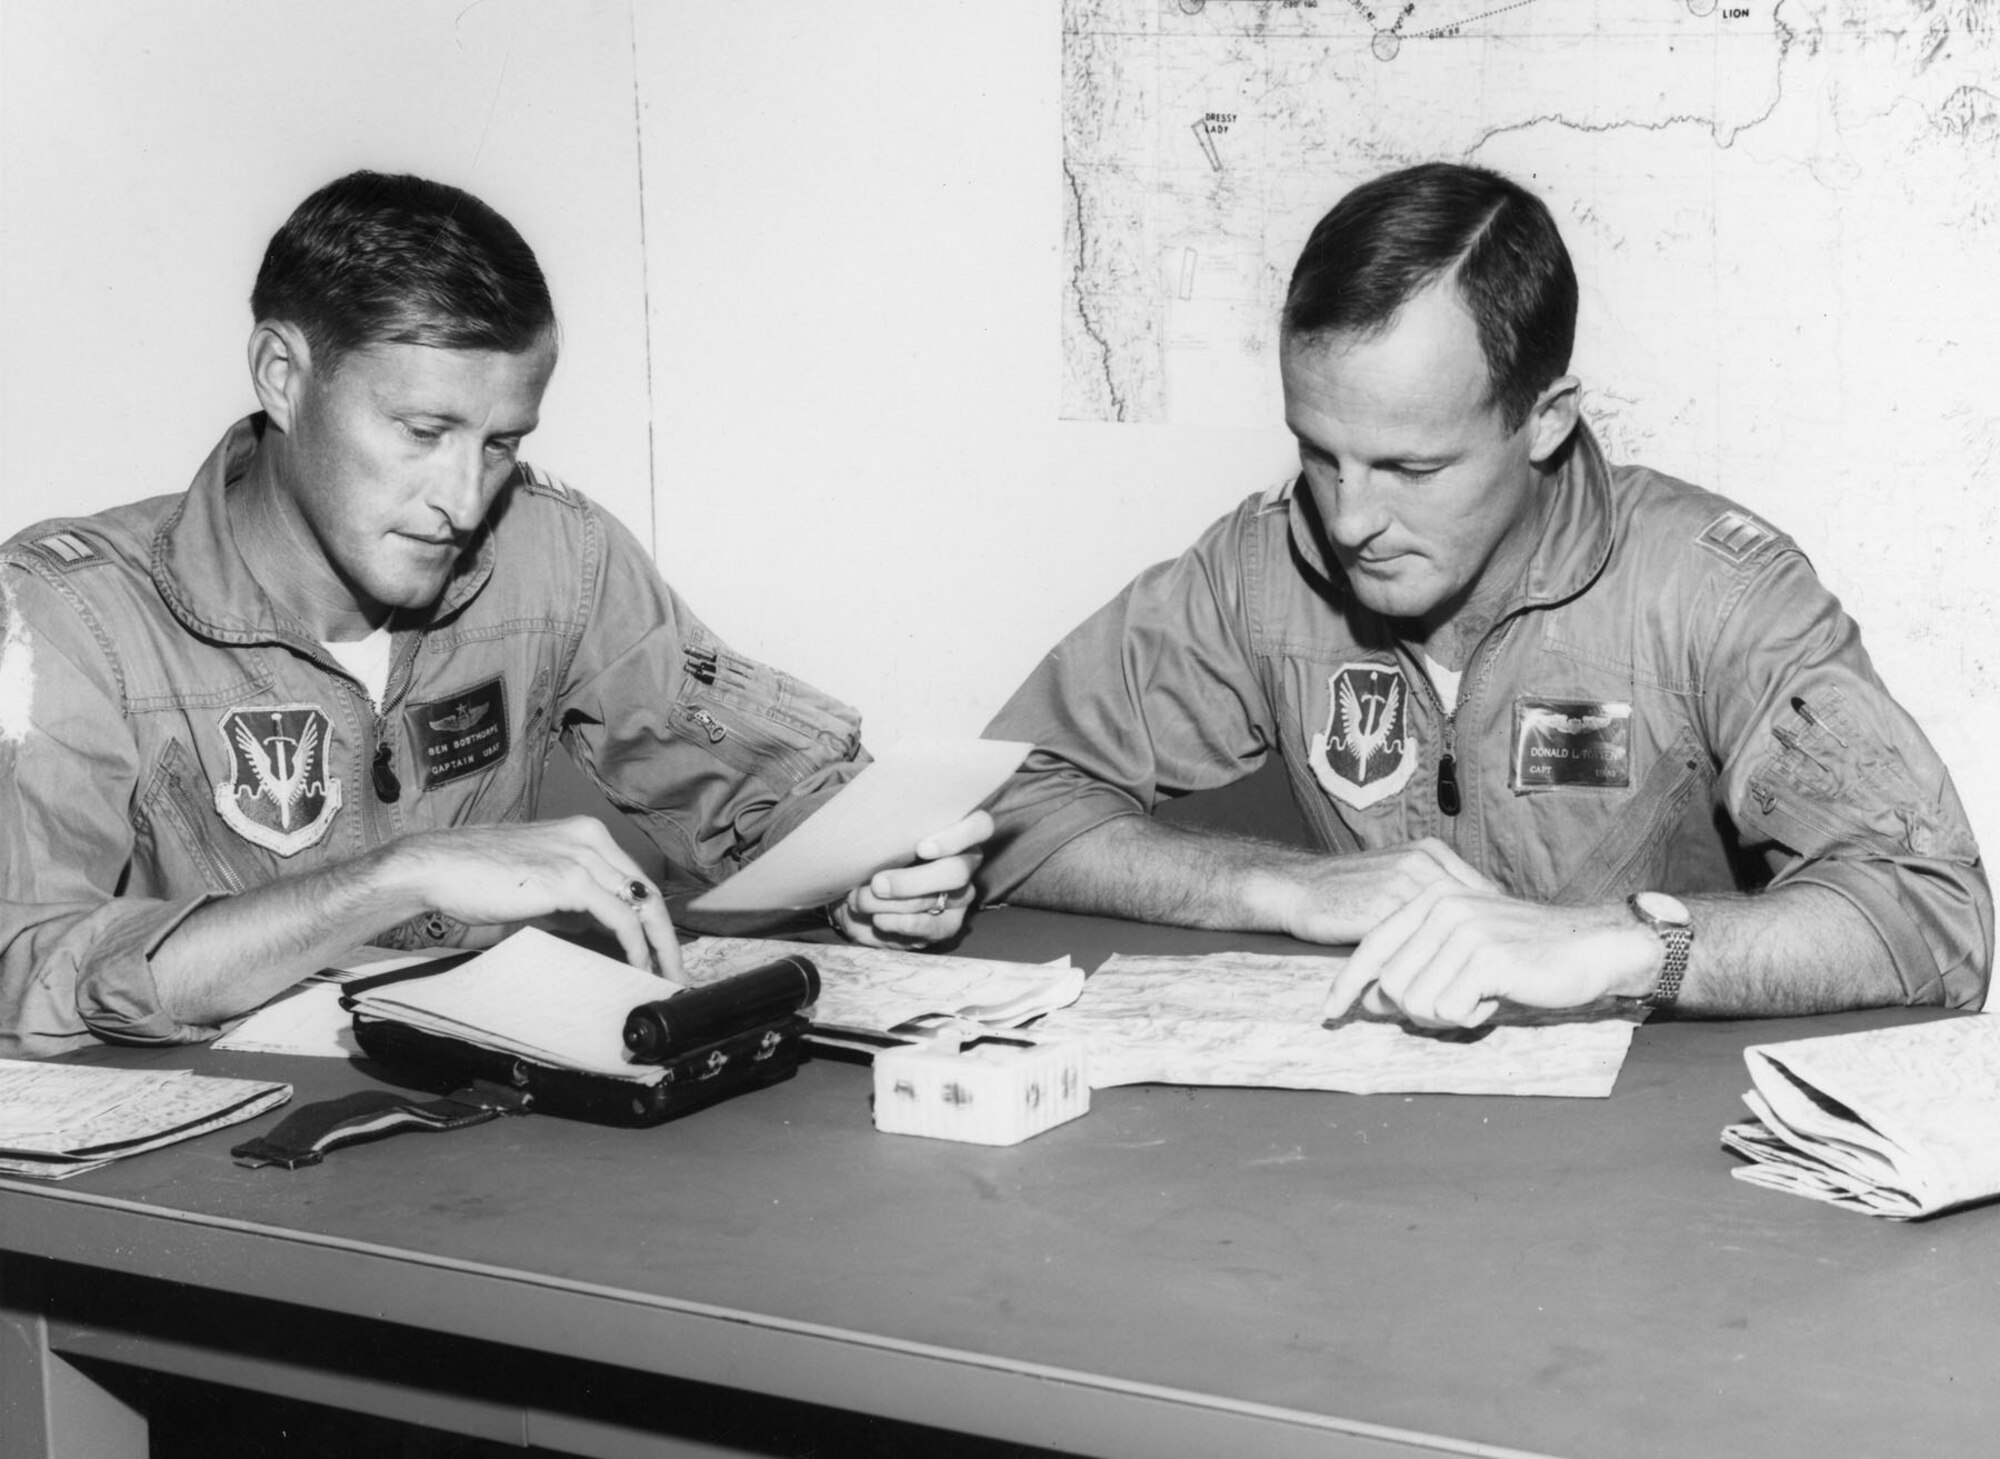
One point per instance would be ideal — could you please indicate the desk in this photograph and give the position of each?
(1183, 1272)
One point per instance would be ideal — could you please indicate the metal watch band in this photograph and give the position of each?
(1668, 988)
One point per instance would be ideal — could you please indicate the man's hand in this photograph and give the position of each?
(1446, 958)
(511, 873)
(925, 901)
(1338, 899)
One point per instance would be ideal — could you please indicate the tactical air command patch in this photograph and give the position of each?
(1366, 753)
(279, 794)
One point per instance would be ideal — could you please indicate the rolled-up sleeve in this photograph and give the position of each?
(1820, 760)
(1156, 695)
(73, 948)
(714, 755)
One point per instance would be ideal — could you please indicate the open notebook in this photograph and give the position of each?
(535, 996)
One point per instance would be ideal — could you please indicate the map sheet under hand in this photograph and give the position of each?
(1254, 1020)
(877, 989)
(1898, 1122)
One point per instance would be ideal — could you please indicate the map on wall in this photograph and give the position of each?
(1785, 216)
(1729, 156)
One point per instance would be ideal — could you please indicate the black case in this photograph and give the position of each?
(747, 1057)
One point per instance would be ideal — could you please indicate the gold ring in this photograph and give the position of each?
(634, 892)
(943, 901)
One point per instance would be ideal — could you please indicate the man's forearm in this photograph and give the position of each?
(1149, 871)
(235, 953)
(1799, 949)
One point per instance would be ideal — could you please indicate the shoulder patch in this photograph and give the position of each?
(1734, 535)
(66, 549)
(1277, 494)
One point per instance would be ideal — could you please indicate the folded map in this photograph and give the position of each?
(1898, 1122)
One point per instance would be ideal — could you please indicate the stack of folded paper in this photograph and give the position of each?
(59, 1120)
(1896, 1122)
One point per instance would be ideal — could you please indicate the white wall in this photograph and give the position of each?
(843, 439)
(855, 215)
(149, 148)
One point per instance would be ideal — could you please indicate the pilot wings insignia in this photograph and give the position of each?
(1551, 721)
(1366, 753)
(279, 795)
(463, 716)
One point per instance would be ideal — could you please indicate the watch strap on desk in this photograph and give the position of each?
(304, 1136)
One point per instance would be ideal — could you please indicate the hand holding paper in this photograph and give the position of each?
(902, 841)
(924, 902)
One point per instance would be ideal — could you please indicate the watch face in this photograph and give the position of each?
(1662, 908)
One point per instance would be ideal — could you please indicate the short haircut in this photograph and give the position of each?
(376, 258)
(1388, 239)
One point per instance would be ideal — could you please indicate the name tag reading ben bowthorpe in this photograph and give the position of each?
(1572, 742)
(460, 734)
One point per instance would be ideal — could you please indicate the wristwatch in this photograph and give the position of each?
(1669, 918)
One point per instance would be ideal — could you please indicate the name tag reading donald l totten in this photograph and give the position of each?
(1572, 743)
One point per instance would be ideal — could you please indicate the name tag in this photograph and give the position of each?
(1565, 742)
(461, 734)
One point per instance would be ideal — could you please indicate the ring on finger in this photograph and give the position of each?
(936, 909)
(634, 892)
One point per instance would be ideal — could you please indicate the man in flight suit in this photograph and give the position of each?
(1562, 730)
(307, 703)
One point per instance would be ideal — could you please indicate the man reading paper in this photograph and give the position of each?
(307, 703)
(1561, 729)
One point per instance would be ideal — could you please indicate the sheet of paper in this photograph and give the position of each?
(535, 995)
(913, 788)
(1254, 1020)
(308, 1019)
(878, 988)
(1895, 1121)
(50, 1169)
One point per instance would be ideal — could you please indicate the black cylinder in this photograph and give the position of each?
(657, 1032)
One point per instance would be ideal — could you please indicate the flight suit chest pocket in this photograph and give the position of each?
(179, 803)
(1633, 851)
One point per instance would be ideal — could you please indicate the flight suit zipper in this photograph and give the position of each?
(1450, 796)
(382, 763)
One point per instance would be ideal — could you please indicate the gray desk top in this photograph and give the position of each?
(1559, 1276)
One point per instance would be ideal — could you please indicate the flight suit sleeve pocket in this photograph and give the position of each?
(759, 720)
(1829, 778)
